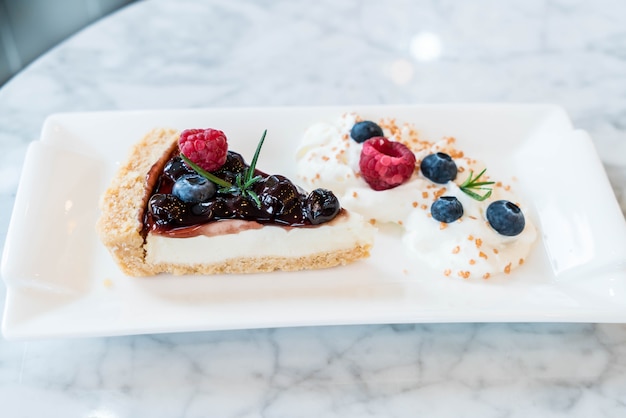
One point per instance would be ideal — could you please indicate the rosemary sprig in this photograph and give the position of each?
(243, 187)
(243, 181)
(205, 174)
(473, 184)
(251, 168)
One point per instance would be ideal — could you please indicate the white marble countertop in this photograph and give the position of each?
(221, 53)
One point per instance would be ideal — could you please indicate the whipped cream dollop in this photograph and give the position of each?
(327, 157)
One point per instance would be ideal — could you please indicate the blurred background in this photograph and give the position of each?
(29, 28)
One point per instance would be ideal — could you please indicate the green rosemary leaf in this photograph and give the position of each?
(468, 180)
(255, 198)
(253, 180)
(250, 170)
(483, 183)
(480, 174)
(472, 183)
(483, 197)
(205, 174)
(240, 182)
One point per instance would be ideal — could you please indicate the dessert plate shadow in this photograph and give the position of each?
(61, 282)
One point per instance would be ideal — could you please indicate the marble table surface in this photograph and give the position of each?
(232, 53)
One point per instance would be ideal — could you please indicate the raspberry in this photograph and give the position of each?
(205, 147)
(386, 164)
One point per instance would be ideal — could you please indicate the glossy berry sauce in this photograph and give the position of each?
(281, 201)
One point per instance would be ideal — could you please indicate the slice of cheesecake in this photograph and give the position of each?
(162, 214)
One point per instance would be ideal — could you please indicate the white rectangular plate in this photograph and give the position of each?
(61, 282)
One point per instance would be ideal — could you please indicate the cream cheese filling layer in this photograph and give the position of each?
(345, 232)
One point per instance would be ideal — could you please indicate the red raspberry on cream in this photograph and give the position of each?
(386, 164)
(205, 147)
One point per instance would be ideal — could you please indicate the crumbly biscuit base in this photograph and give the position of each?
(268, 264)
(121, 223)
(123, 203)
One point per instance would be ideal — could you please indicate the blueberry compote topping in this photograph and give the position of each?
(180, 199)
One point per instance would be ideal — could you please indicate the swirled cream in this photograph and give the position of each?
(467, 248)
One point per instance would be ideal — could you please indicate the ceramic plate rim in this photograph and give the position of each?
(50, 324)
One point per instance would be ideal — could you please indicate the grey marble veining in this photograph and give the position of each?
(182, 54)
(442, 370)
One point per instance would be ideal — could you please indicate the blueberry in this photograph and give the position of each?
(176, 167)
(282, 199)
(267, 195)
(234, 165)
(321, 206)
(362, 131)
(217, 208)
(439, 168)
(446, 209)
(166, 209)
(281, 192)
(506, 218)
(193, 188)
(204, 209)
